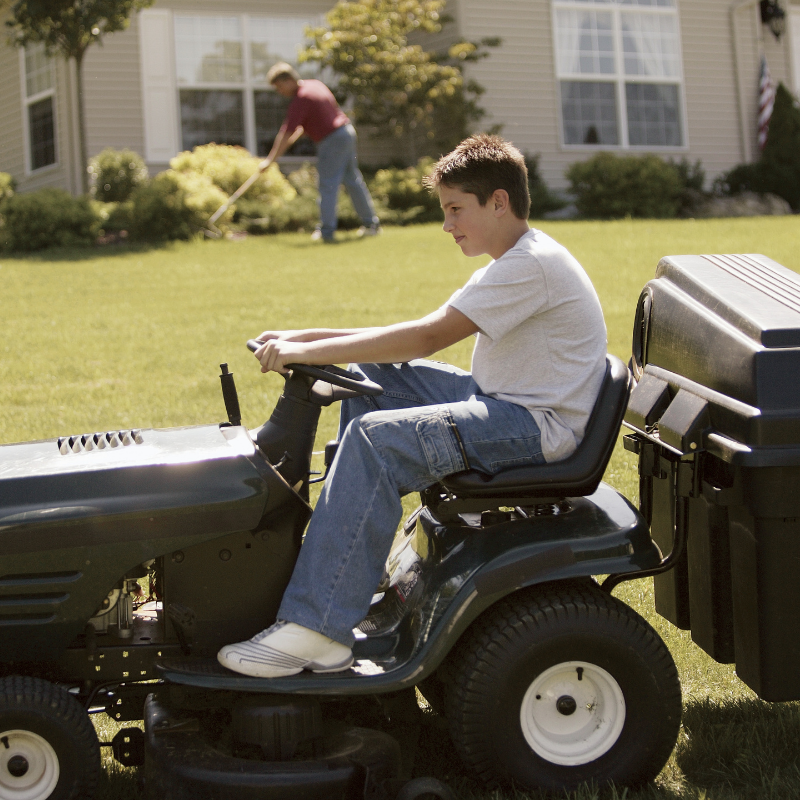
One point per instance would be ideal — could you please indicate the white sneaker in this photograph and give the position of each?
(317, 236)
(369, 230)
(283, 649)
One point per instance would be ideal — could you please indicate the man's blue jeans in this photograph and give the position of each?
(431, 421)
(336, 165)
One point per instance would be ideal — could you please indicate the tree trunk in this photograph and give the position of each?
(82, 125)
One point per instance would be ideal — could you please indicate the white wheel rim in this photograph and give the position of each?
(28, 766)
(572, 713)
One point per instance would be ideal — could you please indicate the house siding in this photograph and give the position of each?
(522, 89)
(12, 154)
(519, 77)
(112, 86)
(13, 158)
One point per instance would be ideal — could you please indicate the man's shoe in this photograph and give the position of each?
(283, 649)
(317, 236)
(369, 230)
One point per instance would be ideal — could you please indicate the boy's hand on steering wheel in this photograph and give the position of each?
(276, 353)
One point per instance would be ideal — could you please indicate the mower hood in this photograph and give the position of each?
(105, 488)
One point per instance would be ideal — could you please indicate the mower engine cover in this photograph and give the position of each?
(77, 510)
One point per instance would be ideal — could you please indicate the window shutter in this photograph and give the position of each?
(157, 51)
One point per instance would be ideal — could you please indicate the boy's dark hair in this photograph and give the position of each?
(480, 165)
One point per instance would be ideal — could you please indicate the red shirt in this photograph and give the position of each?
(315, 108)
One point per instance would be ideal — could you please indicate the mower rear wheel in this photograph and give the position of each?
(48, 745)
(563, 684)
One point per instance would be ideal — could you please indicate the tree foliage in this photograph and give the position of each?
(397, 87)
(69, 28)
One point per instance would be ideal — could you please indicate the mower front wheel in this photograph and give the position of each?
(48, 745)
(560, 685)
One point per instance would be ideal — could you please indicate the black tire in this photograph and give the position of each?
(520, 665)
(48, 745)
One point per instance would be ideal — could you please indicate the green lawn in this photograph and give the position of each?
(116, 338)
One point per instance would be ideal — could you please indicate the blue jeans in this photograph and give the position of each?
(431, 421)
(336, 165)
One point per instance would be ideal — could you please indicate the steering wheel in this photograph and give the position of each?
(330, 374)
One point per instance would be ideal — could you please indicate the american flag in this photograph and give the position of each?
(766, 100)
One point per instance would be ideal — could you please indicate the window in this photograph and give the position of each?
(618, 64)
(220, 68)
(39, 111)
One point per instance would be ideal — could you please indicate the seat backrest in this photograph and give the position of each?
(577, 475)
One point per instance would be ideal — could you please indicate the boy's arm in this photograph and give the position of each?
(393, 344)
(310, 334)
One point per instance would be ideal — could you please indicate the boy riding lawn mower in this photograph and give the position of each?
(489, 605)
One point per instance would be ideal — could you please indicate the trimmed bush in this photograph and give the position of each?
(114, 217)
(300, 213)
(7, 186)
(175, 205)
(229, 167)
(47, 218)
(400, 196)
(542, 199)
(608, 186)
(115, 174)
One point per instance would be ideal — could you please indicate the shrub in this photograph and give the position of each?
(693, 179)
(400, 196)
(542, 199)
(115, 174)
(608, 186)
(175, 205)
(299, 213)
(47, 218)
(229, 167)
(778, 170)
(7, 186)
(114, 217)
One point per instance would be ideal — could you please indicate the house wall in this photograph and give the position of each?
(13, 152)
(794, 46)
(519, 78)
(12, 156)
(113, 73)
(522, 92)
(112, 88)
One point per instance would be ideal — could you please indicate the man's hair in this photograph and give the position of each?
(482, 164)
(282, 70)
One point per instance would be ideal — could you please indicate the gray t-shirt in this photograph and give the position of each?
(542, 338)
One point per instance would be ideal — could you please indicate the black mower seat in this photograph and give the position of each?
(577, 475)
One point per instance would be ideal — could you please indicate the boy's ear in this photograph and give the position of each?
(500, 201)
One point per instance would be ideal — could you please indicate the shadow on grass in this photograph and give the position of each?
(87, 253)
(744, 748)
(56, 254)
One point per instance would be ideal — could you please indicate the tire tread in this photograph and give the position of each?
(25, 694)
(526, 613)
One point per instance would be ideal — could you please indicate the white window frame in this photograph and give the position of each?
(616, 8)
(248, 86)
(27, 102)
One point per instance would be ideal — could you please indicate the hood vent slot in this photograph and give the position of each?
(87, 442)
